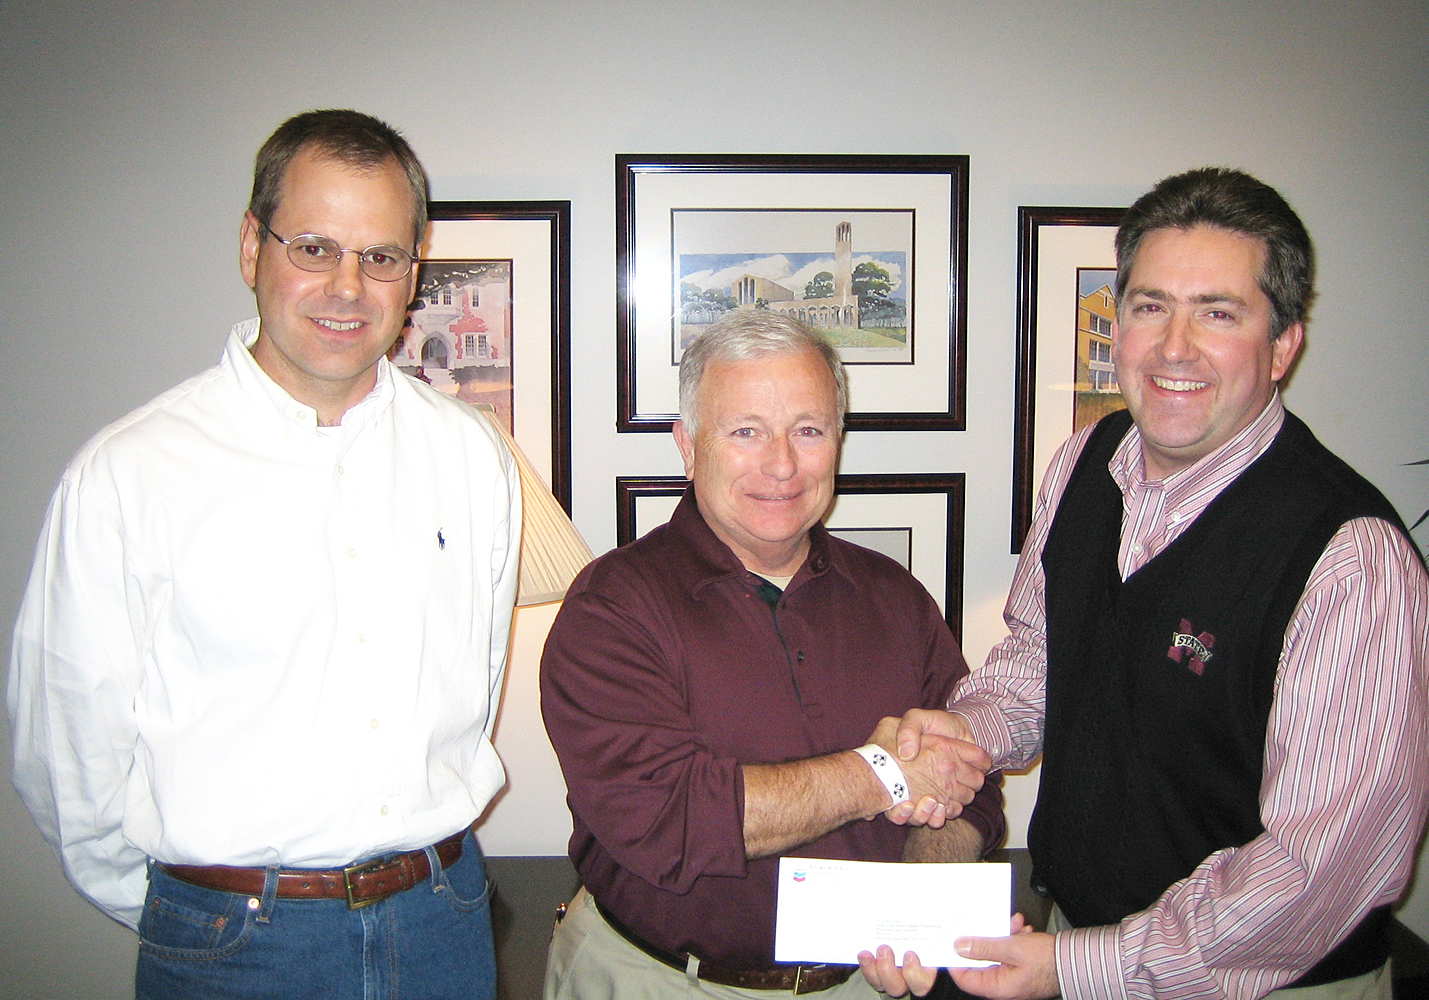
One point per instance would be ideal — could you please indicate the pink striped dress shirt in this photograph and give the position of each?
(1346, 770)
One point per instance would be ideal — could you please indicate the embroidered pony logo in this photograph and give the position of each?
(1198, 647)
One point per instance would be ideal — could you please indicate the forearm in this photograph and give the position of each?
(958, 840)
(786, 805)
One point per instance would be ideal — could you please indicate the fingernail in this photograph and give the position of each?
(964, 947)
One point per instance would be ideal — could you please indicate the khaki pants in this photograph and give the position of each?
(588, 960)
(1376, 985)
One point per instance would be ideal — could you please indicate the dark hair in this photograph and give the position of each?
(1238, 203)
(349, 137)
(753, 333)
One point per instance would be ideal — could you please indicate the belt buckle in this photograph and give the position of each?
(353, 870)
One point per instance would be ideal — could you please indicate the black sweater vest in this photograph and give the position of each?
(1159, 688)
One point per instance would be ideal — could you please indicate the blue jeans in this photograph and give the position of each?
(430, 942)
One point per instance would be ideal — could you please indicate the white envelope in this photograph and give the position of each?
(829, 911)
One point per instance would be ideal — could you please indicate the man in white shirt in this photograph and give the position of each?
(257, 666)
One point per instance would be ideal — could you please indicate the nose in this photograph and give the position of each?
(345, 281)
(1177, 342)
(779, 462)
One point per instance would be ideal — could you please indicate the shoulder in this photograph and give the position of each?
(435, 412)
(186, 410)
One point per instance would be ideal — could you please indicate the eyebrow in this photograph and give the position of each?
(1205, 298)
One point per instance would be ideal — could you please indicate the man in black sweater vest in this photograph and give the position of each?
(1220, 646)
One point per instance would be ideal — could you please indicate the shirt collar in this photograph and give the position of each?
(255, 382)
(711, 560)
(1127, 465)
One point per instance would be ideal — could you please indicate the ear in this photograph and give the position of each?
(686, 444)
(250, 238)
(1285, 349)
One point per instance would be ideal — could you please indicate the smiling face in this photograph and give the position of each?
(764, 456)
(1192, 343)
(323, 332)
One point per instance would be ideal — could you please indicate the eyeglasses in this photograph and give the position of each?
(318, 253)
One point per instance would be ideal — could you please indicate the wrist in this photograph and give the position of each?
(885, 768)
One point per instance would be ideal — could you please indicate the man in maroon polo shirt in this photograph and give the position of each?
(710, 690)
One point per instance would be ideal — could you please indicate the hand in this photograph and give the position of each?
(943, 772)
(920, 722)
(886, 977)
(1027, 969)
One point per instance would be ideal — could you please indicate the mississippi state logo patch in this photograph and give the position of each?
(1190, 649)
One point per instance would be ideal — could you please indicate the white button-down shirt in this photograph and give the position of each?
(251, 640)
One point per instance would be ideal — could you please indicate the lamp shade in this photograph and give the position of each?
(552, 550)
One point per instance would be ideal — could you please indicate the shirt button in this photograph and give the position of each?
(374, 724)
(352, 553)
(362, 638)
(384, 810)
(341, 471)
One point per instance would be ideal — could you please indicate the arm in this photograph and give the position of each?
(1342, 799)
(73, 678)
(505, 573)
(786, 805)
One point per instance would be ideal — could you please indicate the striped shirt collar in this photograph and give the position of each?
(1197, 485)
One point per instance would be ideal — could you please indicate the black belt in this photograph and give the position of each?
(797, 979)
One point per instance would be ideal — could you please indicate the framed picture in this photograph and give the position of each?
(491, 321)
(917, 520)
(870, 250)
(1066, 277)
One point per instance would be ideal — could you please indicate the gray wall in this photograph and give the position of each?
(129, 132)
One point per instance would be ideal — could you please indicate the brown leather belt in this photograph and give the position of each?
(797, 979)
(361, 885)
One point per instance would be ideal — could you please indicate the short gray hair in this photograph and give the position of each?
(753, 333)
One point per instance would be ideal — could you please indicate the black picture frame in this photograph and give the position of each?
(535, 237)
(1036, 225)
(924, 391)
(883, 491)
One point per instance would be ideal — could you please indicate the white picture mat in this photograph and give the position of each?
(527, 244)
(922, 387)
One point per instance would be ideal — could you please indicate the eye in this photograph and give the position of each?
(380, 257)
(742, 432)
(313, 249)
(810, 432)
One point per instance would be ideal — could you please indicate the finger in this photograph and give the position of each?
(881, 972)
(919, 979)
(903, 812)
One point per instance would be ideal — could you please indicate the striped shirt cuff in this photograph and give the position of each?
(1089, 963)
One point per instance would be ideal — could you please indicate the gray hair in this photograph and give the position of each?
(1233, 201)
(753, 333)
(348, 137)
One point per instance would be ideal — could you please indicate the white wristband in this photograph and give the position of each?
(886, 769)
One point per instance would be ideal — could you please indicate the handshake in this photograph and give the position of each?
(942, 766)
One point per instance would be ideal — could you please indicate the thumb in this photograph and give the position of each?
(910, 736)
(980, 949)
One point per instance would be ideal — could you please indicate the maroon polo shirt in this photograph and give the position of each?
(665, 671)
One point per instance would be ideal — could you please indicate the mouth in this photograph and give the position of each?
(338, 326)
(1177, 385)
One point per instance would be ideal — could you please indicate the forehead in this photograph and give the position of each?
(784, 380)
(331, 197)
(1202, 258)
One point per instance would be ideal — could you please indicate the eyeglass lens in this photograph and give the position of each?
(318, 253)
